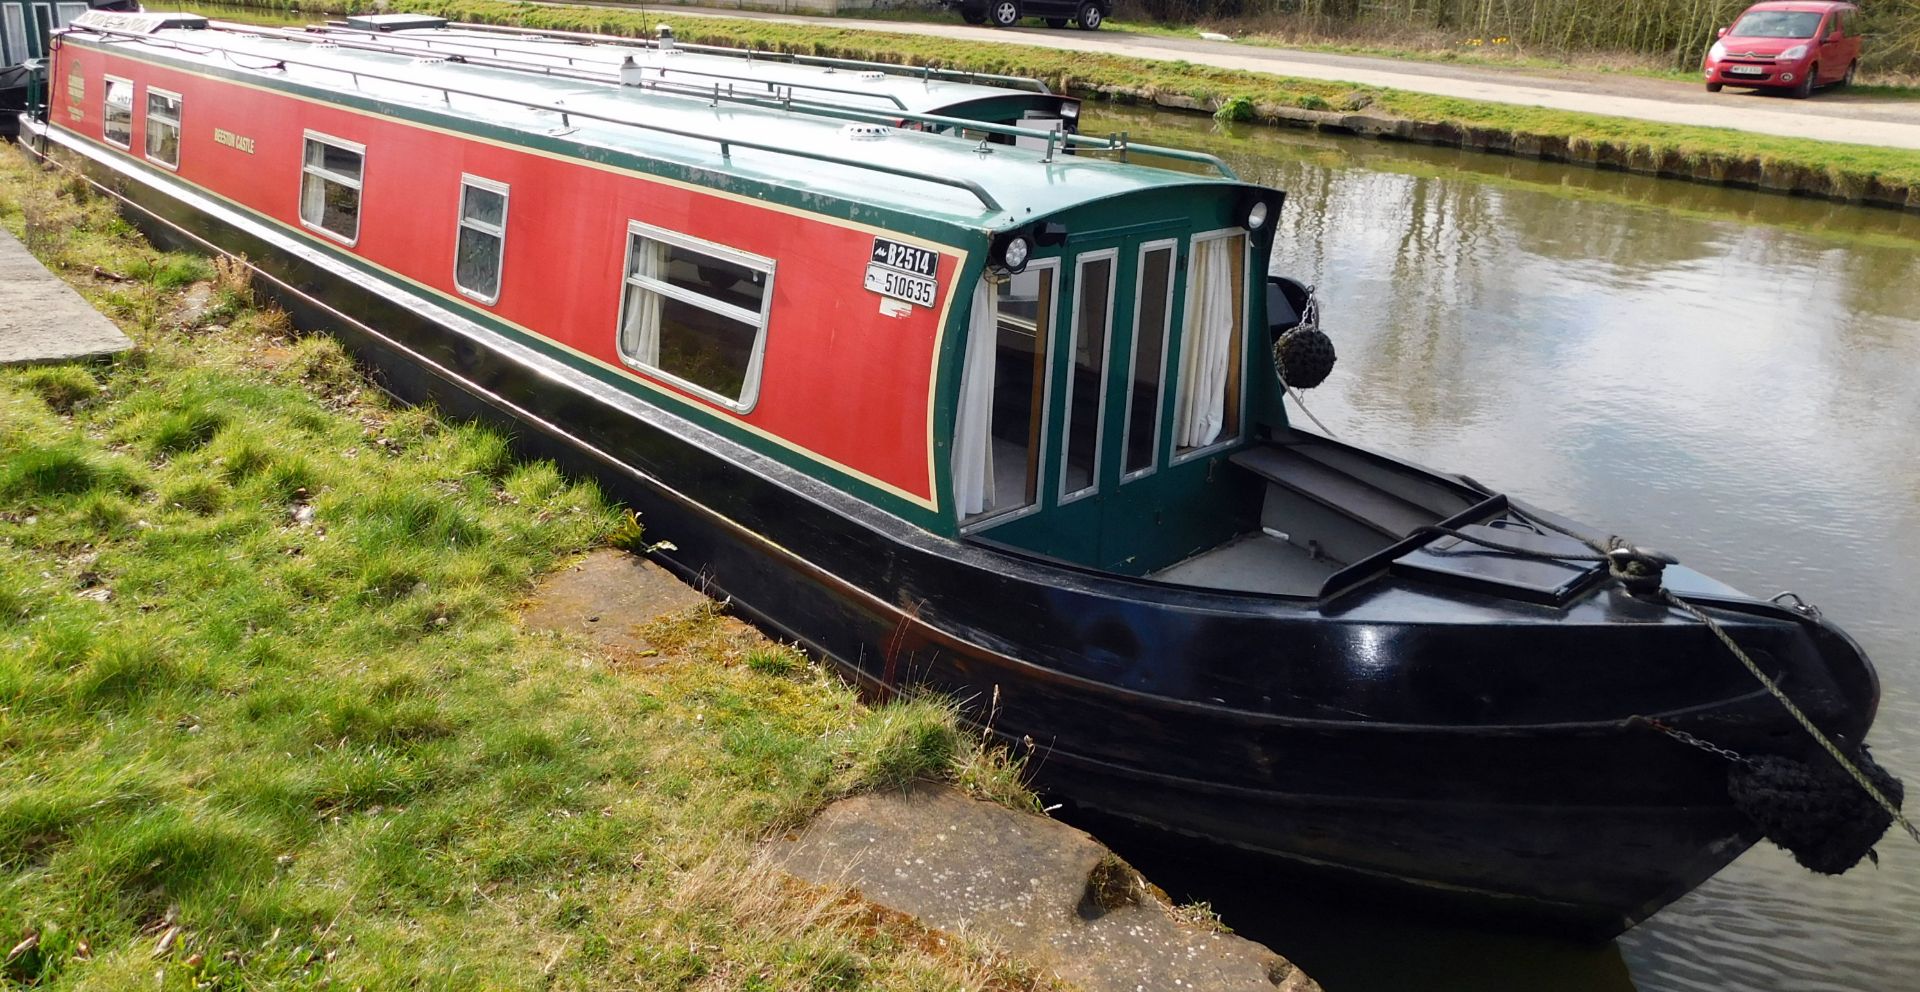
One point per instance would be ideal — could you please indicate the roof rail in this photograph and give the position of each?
(726, 143)
(430, 43)
(891, 68)
(775, 100)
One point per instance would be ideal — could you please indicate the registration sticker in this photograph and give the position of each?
(900, 285)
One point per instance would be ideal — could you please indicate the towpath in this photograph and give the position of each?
(1829, 116)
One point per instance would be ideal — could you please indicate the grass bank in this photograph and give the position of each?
(1883, 176)
(267, 720)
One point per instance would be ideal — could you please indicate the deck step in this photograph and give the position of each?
(1336, 490)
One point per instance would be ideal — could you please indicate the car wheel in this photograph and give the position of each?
(1090, 16)
(1847, 80)
(1715, 87)
(1805, 89)
(1004, 13)
(1056, 22)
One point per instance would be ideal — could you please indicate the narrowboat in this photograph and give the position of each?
(987, 419)
(25, 29)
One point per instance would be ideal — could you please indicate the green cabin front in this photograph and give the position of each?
(1103, 384)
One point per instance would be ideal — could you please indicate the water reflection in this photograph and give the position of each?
(1726, 374)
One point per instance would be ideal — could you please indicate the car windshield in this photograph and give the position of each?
(1778, 24)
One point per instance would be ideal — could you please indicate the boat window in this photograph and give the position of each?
(163, 127)
(16, 18)
(66, 12)
(997, 431)
(696, 313)
(1087, 376)
(330, 177)
(480, 238)
(118, 117)
(1207, 410)
(1152, 312)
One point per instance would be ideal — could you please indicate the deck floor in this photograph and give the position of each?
(1256, 562)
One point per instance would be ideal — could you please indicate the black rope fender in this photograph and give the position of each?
(1828, 815)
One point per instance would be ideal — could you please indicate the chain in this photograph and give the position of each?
(1691, 741)
(1805, 722)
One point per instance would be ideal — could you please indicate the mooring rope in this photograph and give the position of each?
(1806, 723)
(1640, 571)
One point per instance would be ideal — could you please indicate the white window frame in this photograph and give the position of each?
(46, 43)
(1133, 355)
(359, 185)
(468, 181)
(146, 127)
(1080, 262)
(1246, 303)
(749, 386)
(993, 518)
(106, 104)
(14, 17)
(64, 13)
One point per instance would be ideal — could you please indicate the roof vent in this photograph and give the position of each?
(873, 76)
(326, 43)
(866, 132)
(429, 60)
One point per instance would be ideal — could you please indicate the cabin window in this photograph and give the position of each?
(66, 12)
(1208, 407)
(163, 127)
(16, 34)
(695, 313)
(1087, 375)
(1152, 314)
(997, 430)
(118, 115)
(330, 175)
(481, 238)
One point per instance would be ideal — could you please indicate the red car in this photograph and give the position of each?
(1792, 46)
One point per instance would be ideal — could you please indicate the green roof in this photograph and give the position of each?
(689, 131)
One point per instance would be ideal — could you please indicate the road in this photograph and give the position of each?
(1828, 116)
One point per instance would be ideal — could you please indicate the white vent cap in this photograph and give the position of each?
(866, 132)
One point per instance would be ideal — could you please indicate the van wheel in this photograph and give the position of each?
(1847, 80)
(1004, 13)
(1805, 89)
(1090, 17)
(1714, 87)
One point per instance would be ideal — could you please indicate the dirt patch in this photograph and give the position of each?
(609, 597)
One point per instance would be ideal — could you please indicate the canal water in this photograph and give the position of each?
(1727, 375)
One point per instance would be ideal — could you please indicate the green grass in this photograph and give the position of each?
(267, 720)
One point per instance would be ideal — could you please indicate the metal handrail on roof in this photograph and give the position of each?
(726, 143)
(890, 68)
(1118, 143)
(430, 43)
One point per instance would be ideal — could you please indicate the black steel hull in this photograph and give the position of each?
(1402, 738)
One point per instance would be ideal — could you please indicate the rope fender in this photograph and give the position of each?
(1828, 815)
(1815, 810)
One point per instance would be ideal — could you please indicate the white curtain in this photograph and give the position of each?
(313, 199)
(1206, 350)
(640, 334)
(973, 425)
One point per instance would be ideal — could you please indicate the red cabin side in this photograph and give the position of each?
(845, 383)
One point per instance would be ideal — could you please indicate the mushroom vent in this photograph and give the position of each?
(866, 132)
(429, 60)
(873, 76)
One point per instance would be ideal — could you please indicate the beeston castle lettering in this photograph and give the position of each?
(234, 141)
